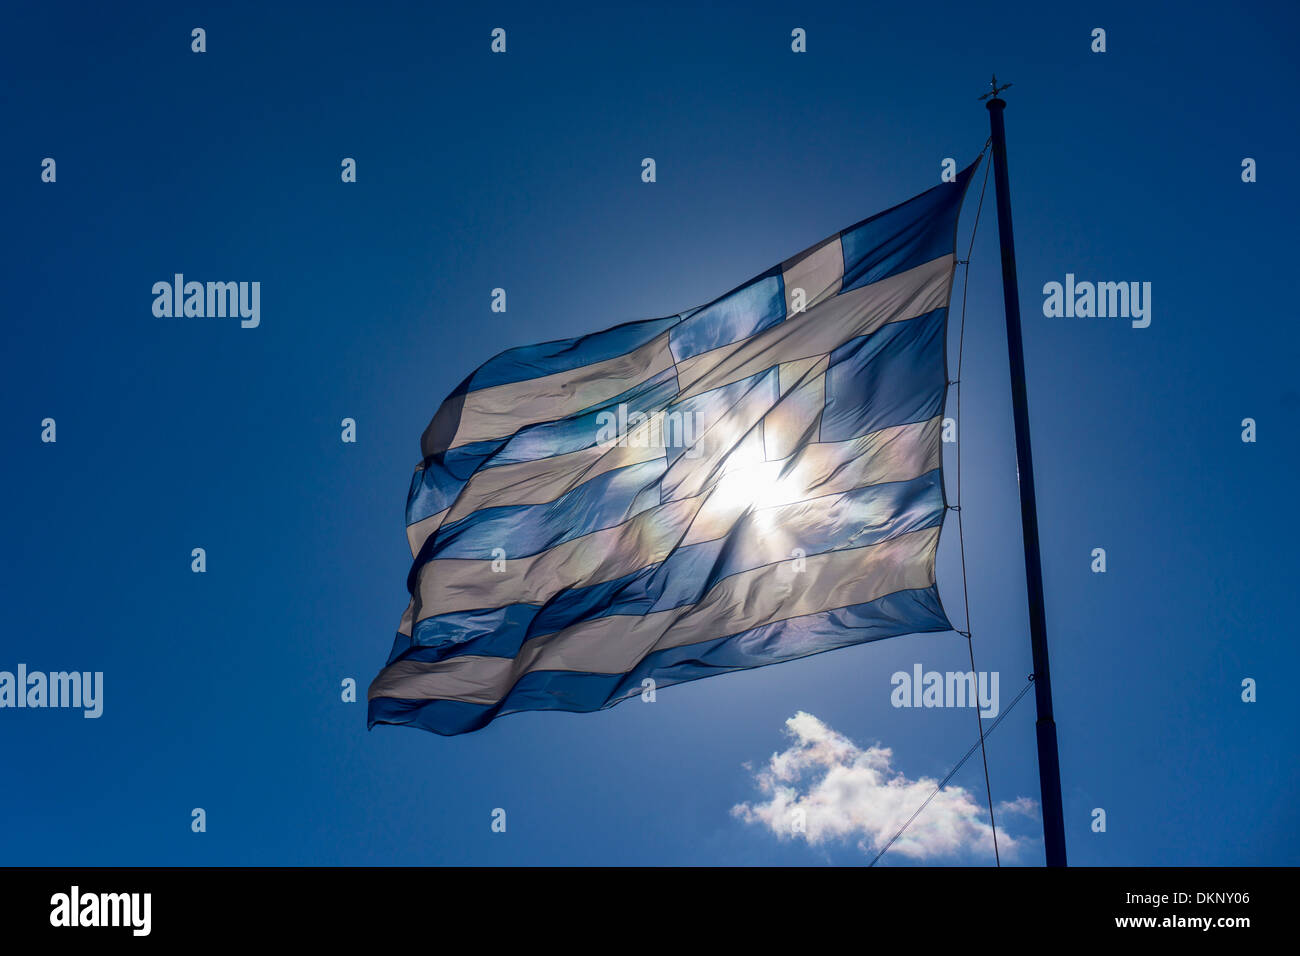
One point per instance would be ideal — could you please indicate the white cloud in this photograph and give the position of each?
(1021, 805)
(825, 788)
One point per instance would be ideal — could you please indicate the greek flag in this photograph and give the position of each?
(752, 481)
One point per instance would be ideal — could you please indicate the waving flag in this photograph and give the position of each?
(753, 481)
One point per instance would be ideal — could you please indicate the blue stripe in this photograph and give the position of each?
(521, 530)
(436, 485)
(435, 488)
(493, 632)
(564, 355)
(894, 376)
(898, 239)
(578, 431)
(860, 518)
(904, 612)
(737, 315)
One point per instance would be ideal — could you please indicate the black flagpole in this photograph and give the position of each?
(1049, 768)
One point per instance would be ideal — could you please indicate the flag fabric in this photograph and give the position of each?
(749, 482)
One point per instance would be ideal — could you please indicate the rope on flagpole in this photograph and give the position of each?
(951, 773)
(961, 535)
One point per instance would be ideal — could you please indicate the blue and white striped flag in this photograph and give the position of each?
(753, 481)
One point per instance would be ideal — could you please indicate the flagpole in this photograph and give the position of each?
(1049, 769)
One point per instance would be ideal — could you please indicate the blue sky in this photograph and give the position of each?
(523, 171)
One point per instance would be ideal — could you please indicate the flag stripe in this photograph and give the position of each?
(545, 479)
(853, 519)
(551, 358)
(818, 272)
(505, 409)
(613, 645)
(520, 530)
(898, 239)
(904, 612)
(545, 440)
(892, 454)
(736, 316)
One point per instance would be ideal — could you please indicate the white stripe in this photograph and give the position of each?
(543, 480)
(408, 617)
(819, 272)
(502, 410)
(418, 533)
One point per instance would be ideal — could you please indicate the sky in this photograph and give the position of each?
(222, 690)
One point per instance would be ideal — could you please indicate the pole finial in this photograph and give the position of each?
(994, 88)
